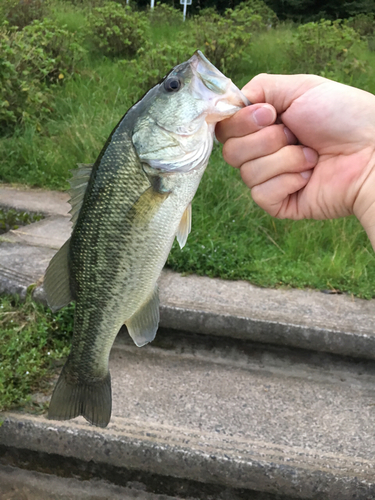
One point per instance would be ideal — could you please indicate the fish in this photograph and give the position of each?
(127, 208)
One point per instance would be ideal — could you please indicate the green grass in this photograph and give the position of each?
(68, 16)
(32, 341)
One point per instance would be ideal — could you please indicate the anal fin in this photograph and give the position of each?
(143, 325)
(185, 227)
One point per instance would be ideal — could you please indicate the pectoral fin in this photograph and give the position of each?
(142, 326)
(56, 280)
(147, 206)
(184, 228)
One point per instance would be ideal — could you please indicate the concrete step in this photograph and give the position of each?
(21, 484)
(227, 413)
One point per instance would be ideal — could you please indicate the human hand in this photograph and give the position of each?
(312, 154)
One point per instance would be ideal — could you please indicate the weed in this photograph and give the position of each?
(32, 339)
(12, 219)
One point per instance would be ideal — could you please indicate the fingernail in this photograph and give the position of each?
(311, 155)
(263, 116)
(306, 174)
(291, 138)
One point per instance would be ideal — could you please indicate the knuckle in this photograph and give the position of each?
(275, 134)
(247, 177)
(228, 153)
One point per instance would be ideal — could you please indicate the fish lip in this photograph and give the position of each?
(228, 87)
(224, 96)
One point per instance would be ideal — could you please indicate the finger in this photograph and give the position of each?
(280, 195)
(280, 90)
(240, 150)
(245, 121)
(289, 159)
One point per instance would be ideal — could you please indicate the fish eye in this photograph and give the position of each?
(172, 84)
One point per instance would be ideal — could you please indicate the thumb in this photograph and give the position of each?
(279, 90)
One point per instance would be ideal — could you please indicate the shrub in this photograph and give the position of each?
(254, 15)
(153, 62)
(63, 48)
(223, 42)
(164, 14)
(364, 24)
(208, 12)
(116, 30)
(21, 13)
(326, 48)
(30, 61)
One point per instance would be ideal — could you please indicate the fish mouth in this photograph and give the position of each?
(225, 97)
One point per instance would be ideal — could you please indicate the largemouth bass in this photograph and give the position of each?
(127, 209)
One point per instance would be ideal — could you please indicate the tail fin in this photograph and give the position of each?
(91, 400)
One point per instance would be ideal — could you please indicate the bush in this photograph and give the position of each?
(116, 30)
(153, 62)
(31, 61)
(21, 13)
(364, 24)
(223, 42)
(326, 48)
(165, 14)
(254, 15)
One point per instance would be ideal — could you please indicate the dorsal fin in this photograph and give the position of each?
(185, 227)
(78, 184)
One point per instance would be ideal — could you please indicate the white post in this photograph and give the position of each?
(152, 4)
(185, 4)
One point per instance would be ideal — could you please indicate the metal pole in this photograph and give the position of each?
(185, 4)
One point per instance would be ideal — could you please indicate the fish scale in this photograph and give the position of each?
(126, 210)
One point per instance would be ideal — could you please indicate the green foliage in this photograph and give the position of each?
(116, 30)
(22, 13)
(254, 15)
(165, 14)
(223, 42)
(30, 61)
(208, 12)
(326, 48)
(153, 62)
(12, 219)
(364, 24)
(31, 340)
